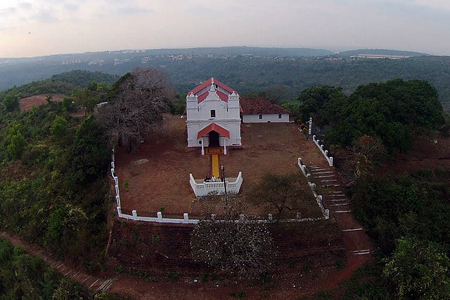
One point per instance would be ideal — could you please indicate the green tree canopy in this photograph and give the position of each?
(419, 270)
(11, 102)
(389, 111)
(89, 155)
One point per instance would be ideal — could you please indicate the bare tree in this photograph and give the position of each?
(136, 104)
(232, 243)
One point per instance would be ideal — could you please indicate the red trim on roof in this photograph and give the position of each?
(207, 83)
(213, 127)
(222, 96)
(259, 106)
(202, 97)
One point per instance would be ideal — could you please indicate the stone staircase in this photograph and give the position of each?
(329, 185)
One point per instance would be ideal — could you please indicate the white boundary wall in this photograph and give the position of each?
(185, 220)
(324, 152)
(202, 189)
(319, 198)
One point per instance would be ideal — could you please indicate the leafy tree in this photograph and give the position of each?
(419, 270)
(16, 142)
(280, 192)
(137, 101)
(59, 127)
(11, 102)
(319, 102)
(86, 99)
(388, 111)
(68, 103)
(89, 156)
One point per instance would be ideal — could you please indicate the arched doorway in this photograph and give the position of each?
(213, 139)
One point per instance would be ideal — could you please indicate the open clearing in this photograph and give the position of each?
(158, 174)
(29, 102)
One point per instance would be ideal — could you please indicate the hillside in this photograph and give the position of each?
(63, 83)
(382, 52)
(248, 69)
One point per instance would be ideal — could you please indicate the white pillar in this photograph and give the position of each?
(159, 215)
(225, 145)
(203, 147)
(186, 217)
(134, 213)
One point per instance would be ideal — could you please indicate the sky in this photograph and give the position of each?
(44, 27)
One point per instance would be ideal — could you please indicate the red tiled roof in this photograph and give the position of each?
(213, 127)
(221, 95)
(207, 84)
(259, 106)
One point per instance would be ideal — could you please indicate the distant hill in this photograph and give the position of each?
(82, 77)
(18, 71)
(62, 83)
(248, 70)
(386, 52)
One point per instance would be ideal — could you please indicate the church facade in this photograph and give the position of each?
(213, 116)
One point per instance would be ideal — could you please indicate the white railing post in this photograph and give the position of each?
(186, 217)
(159, 215)
(134, 213)
(310, 126)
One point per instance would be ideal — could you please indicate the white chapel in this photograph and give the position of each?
(213, 116)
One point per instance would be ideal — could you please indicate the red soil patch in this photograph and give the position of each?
(158, 174)
(308, 253)
(426, 154)
(29, 102)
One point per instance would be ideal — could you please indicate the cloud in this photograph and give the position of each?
(436, 4)
(25, 5)
(133, 10)
(7, 12)
(71, 7)
(45, 16)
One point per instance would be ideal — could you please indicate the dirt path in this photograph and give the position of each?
(357, 243)
(97, 283)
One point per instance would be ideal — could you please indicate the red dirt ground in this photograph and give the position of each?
(426, 154)
(158, 174)
(132, 243)
(29, 102)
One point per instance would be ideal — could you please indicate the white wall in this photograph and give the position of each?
(227, 116)
(273, 118)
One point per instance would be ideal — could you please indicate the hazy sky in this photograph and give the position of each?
(44, 27)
